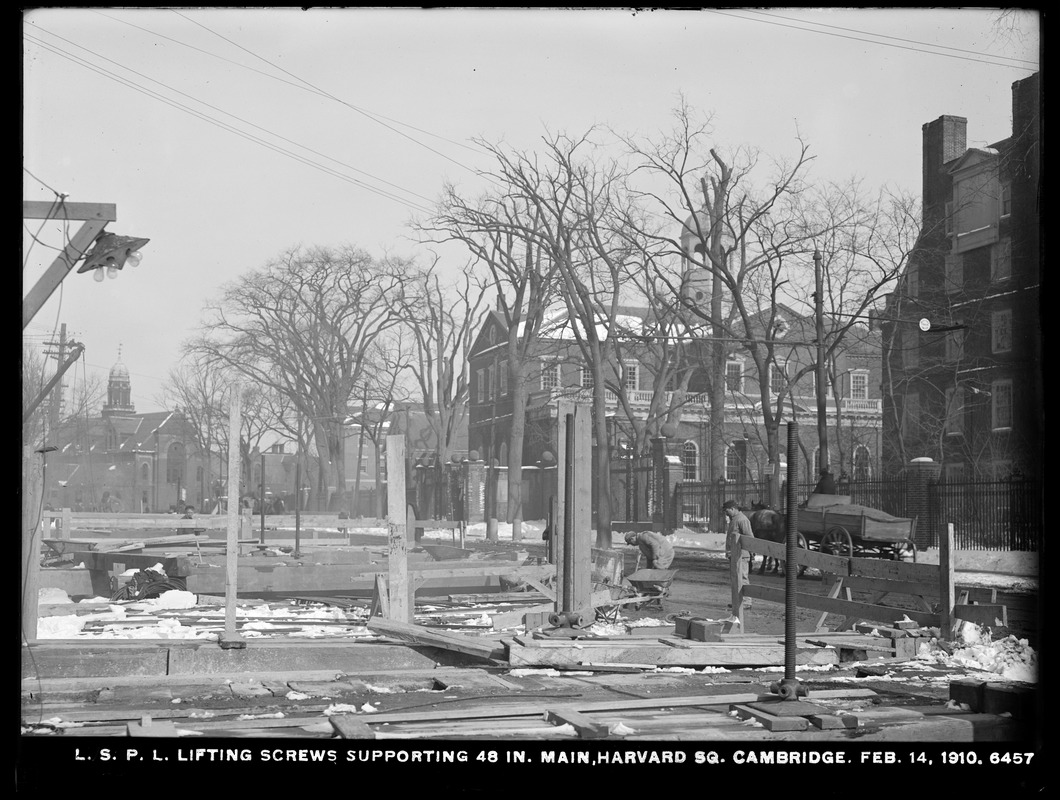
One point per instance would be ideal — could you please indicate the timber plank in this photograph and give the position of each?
(350, 727)
(456, 642)
(699, 654)
(850, 608)
(586, 728)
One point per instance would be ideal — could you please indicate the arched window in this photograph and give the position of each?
(690, 460)
(175, 463)
(145, 473)
(736, 462)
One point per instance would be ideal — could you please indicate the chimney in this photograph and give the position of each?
(944, 140)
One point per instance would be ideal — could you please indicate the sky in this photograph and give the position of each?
(227, 136)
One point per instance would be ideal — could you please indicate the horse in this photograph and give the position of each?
(769, 524)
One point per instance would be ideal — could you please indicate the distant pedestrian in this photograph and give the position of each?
(654, 546)
(826, 483)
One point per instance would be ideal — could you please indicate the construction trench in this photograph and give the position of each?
(449, 636)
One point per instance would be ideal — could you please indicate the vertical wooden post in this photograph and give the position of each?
(67, 523)
(397, 531)
(946, 587)
(32, 479)
(573, 522)
(229, 638)
(564, 412)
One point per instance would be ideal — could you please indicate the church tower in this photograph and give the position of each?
(119, 390)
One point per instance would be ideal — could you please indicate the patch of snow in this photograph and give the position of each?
(50, 595)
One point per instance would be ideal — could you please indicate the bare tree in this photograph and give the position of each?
(304, 325)
(500, 230)
(440, 324)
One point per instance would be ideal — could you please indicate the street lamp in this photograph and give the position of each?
(110, 253)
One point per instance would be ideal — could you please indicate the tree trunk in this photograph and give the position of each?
(515, 450)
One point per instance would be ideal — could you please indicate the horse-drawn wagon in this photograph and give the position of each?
(832, 524)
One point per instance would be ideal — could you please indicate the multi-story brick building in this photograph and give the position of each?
(967, 391)
(557, 370)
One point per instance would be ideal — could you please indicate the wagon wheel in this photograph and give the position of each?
(801, 542)
(909, 545)
(837, 542)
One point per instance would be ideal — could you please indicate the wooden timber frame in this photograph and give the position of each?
(923, 582)
(572, 529)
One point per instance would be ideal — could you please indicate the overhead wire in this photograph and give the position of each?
(885, 36)
(725, 13)
(327, 94)
(225, 126)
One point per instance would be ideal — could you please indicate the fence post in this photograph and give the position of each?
(946, 586)
(920, 473)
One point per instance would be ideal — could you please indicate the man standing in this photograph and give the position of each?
(739, 525)
(655, 548)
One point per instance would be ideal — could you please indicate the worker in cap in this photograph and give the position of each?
(654, 547)
(739, 525)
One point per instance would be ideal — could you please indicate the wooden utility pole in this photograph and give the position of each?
(32, 474)
(397, 531)
(229, 638)
(822, 408)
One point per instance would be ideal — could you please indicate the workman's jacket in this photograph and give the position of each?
(739, 526)
(656, 549)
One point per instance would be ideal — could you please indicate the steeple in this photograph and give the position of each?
(119, 390)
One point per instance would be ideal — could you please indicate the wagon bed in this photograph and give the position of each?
(835, 525)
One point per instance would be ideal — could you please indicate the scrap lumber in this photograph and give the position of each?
(586, 728)
(559, 653)
(446, 641)
(350, 727)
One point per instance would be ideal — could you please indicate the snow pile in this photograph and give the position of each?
(174, 598)
(1009, 658)
(53, 596)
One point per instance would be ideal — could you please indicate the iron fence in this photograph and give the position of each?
(988, 515)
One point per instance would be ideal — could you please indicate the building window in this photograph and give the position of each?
(859, 385)
(549, 375)
(954, 425)
(1001, 260)
(911, 412)
(862, 464)
(690, 460)
(480, 388)
(1001, 404)
(1001, 331)
(145, 473)
(736, 462)
(910, 347)
(778, 378)
(912, 281)
(587, 377)
(502, 378)
(629, 377)
(734, 376)
(488, 376)
(948, 220)
(954, 273)
(1006, 198)
(955, 345)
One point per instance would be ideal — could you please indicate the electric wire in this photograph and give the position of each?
(230, 128)
(1032, 64)
(870, 41)
(329, 95)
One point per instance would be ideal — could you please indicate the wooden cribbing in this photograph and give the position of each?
(882, 577)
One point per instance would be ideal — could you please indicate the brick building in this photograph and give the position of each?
(967, 392)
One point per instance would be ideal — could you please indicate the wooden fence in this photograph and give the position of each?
(930, 586)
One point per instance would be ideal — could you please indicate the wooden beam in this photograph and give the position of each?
(447, 641)
(586, 728)
(231, 639)
(32, 479)
(398, 534)
(849, 608)
(947, 570)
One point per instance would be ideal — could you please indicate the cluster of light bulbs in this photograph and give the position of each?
(133, 260)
